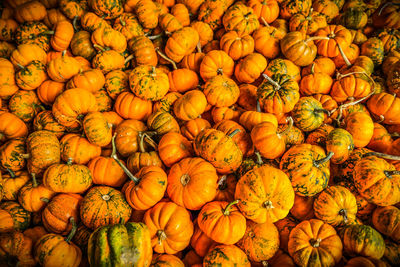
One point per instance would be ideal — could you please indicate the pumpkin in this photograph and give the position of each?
(165, 260)
(336, 205)
(54, 16)
(308, 114)
(226, 255)
(67, 178)
(43, 148)
(190, 105)
(143, 51)
(265, 11)
(289, 8)
(34, 196)
(193, 127)
(216, 62)
(63, 68)
(31, 76)
(8, 28)
(92, 80)
(211, 12)
(106, 171)
(240, 18)
(391, 255)
(278, 94)
(320, 64)
(250, 68)
(241, 138)
(108, 38)
(339, 38)
(364, 261)
(315, 83)
(146, 188)
(26, 53)
(261, 198)
(11, 126)
(268, 140)
(339, 142)
(108, 60)
(96, 128)
(12, 155)
(373, 174)
(266, 40)
(62, 37)
(6, 49)
(71, 104)
(192, 177)
(108, 244)
(12, 183)
(314, 242)
(54, 249)
(78, 149)
(200, 242)
(25, 104)
(148, 82)
(260, 241)
(181, 43)
(313, 175)
(361, 127)
(374, 49)
(221, 91)
(219, 149)
(56, 215)
(232, 113)
(303, 208)
(116, 82)
(33, 33)
(147, 13)
(48, 91)
(362, 240)
(103, 205)
(30, 11)
(236, 45)
(16, 249)
(386, 106)
(128, 25)
(81, 45)
(107, 9)
(13, 217)
(73, 9)
(299, 50)
(307, 24)
(386, 221)
(7, 79)
(350, 87)
(170, 227)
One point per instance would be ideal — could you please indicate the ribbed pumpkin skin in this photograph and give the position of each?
(308, 114)
(219, 149)
(298, 164)
(362, 240)
(106, 171)
(11, 126)
(120, 245)
(10, 155)
(166, 260)
(373, 183)
(97, 130)
(102, 206)
(67, 178)
(13, 216)
(261, 188)
(226, 255)
(387, 221)
(16, 246)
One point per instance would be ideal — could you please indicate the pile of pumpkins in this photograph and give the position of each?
(199, 133)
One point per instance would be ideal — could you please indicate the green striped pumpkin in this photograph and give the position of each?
(120, 245)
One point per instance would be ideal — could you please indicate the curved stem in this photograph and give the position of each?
(316, 38)
(74, 23)
(313, 68)
(45, 199)
(102, 49)
(343, 213)
(153, 37)
(346, 60)
(222, 185)
(198, 46)
(129, 58)
(34, 181)
(141, 145)
(382, 155)
(264, 21)
(226, 210)
(115, 157)
(390, 173)
(12, 174)
(47, 33)
(150, 140)
(275, 84)
(161, 236)
(258, 107)
(288, 128)
(319, 162)
(73, 230)
(166, 58)
(232, 134)
(385, 5)
(259, 159)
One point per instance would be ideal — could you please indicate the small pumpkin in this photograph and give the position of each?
(16, 248)
(308, 114)
(339, 142)
(226, 255)
(361, 127)
(78, 149)
(13, 216)
(386, 220)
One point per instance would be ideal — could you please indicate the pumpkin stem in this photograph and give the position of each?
(313, 68)
(343, 213)
(123, 23)
(20, 66)
(259, 159)
(232, 134)
(45, 199)
(69, 161)
(25, 156)
(141, 145)
(198, 46)
(129, 58)
(319, 162)
(161, 236)
(275, 84)
(385, 5)
(74, 23)
(346, 60)
(34, 181)
(268, 204)
(290, 125)
(185, 179)
(227, 208)
(222, 185)
(115, 157)
(153, 37)
(390, 173)
(73, 230)
(102, 49)
(149, 140)
(47, 33)
(316, 38)
(264, 21)
(382, 155)
(258, 107)
(264, 263)
(315, 242)
(164, 56)
(12, 174)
